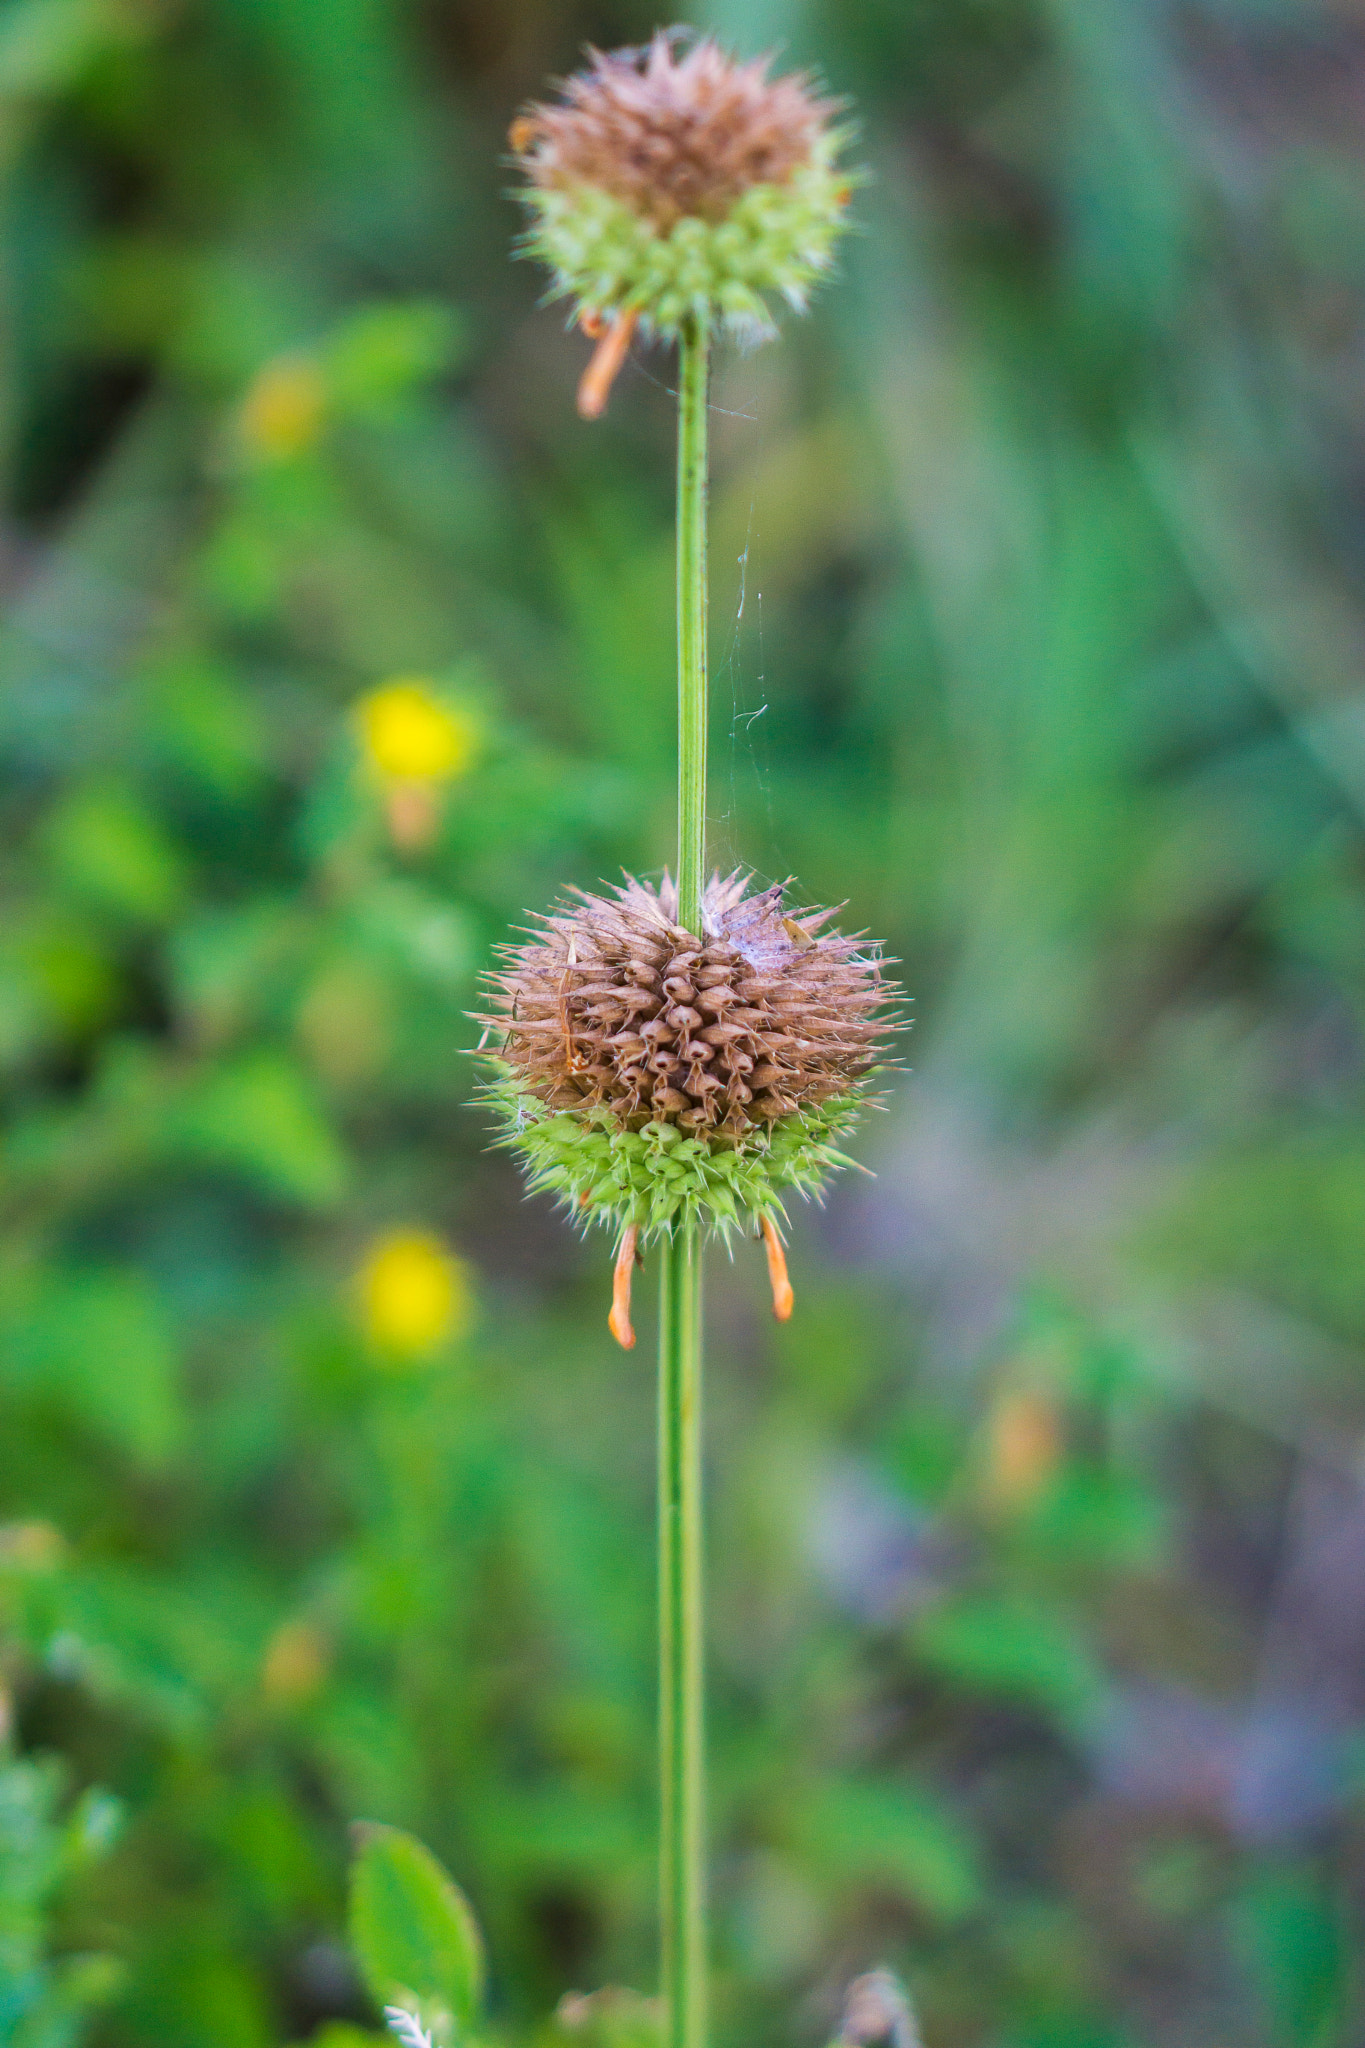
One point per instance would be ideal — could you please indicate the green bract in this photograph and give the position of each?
(775, 240)
(656, 1177)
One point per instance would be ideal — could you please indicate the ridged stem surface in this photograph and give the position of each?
(682, 1759)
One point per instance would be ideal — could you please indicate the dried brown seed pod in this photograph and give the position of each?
(616, 1006)
(672, 135)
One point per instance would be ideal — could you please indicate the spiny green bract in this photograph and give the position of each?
(776, 239)
(658, 1176)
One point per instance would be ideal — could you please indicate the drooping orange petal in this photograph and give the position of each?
(602, 372)
(618, 1322)
(783, 1298)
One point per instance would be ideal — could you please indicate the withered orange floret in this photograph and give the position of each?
(616, 1005)
(672, 135)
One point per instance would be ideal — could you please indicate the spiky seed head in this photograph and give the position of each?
(672, 136)
(681, 186)
(645, 1072)
(616, 1005)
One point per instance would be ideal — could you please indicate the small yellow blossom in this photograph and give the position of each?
(295, 1663)
(409, 735)
(414, 1293)
(1024, 1447)
(282, 411)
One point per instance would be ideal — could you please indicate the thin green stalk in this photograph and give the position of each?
(682, 1758)
(681, 1735)
(692, 628)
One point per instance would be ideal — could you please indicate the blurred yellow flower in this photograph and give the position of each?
(282, 411)
(1024, 1447)
(409, 735)
(414, 1293)
(295, 1663)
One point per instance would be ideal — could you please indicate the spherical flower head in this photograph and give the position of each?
(683, 187)
(414, 1295)
(645, 1073)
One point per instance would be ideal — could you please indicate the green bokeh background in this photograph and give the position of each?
(1038, 1536)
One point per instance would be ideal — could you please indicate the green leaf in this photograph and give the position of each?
(258, 1114)
(111, 852)
(1022, 1649)
(97, 1345)
(893, 1833)
(413, 1932)
(45, 44)
(382, 352)
(72, 976)
(205, 722)
(227, 965)
(1294, 1943)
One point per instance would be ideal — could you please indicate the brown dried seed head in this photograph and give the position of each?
(616, 1004)
(672, 135)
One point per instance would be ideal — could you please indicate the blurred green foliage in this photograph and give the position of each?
(413, 1935)
(1038, 1634)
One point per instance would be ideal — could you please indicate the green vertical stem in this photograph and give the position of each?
(692, 628)
(681, 1736)
(682, 1757)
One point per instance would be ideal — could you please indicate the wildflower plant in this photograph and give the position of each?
(674, 1061)
(413, 1295)
(414, 742)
